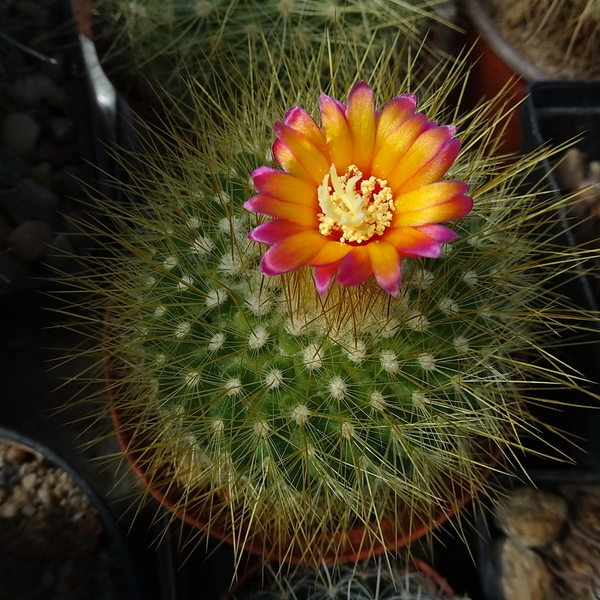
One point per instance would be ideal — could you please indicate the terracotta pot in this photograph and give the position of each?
(499, 68)
(211, 514)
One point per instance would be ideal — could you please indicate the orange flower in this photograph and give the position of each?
(358, 193)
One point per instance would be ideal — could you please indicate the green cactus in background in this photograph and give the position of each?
(286, 418)
(369, 580)
(154, 46)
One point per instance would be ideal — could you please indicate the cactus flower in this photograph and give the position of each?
(358, 193)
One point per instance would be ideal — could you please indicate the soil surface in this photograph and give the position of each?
(53, 544)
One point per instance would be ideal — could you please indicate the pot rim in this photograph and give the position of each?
(519, 62)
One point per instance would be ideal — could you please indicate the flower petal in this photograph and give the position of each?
(324, 275)
(356, 267)
(397, 144)
(435, 169)
(331, 252)
(337, 132)
(285, 186)
(287, 161)
(392, 116)
(386, 266)
(434, 203)
(424, 150)
(283, 210)
(439, 233)
(308, 155)
(411, 242)
(274, 231)
(361, 118)
(292, 252)
(297, 118)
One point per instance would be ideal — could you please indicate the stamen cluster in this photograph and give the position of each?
(356, 207)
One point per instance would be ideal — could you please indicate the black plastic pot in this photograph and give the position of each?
(125, 570)
(488, 534)
(553, 114)
(557, 112)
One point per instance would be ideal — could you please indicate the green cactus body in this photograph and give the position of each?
(319, 413)
(153, 45)
(286, 419)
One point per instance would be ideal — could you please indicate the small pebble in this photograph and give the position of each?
(62, 129)
(43, 174)
(524, 574)
(17, 455)
(531, 517)
(29, 201)
(20, 133)
(31, 89)
(8, 510)
(44, 495)
(60, 98)
(29, 482)
(570, 170)
(29, 241)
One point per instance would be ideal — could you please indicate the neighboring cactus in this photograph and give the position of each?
(286, 418)
(162, 43)
(560, 37)
(370, 580)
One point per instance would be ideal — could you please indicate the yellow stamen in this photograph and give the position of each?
(358, 214)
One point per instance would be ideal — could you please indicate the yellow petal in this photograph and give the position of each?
(331, 252)
(361, 118)
(337, 133)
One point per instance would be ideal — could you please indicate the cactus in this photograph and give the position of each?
(560, 37)
(288, 416)
(153, 46)
(369, 580)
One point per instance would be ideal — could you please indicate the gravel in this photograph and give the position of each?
(53, 545)
(39, 147)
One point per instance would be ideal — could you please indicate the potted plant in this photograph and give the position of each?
(58, 538)
(516, 43)
(309, 404)
(151, 48)
(401, 580)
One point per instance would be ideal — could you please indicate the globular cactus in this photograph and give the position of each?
(369, 580)
(287, 417)
(560, 38)
(155, 46)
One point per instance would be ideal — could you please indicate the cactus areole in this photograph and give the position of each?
(315, 403)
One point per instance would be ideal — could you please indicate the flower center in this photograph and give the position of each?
(355, 207)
